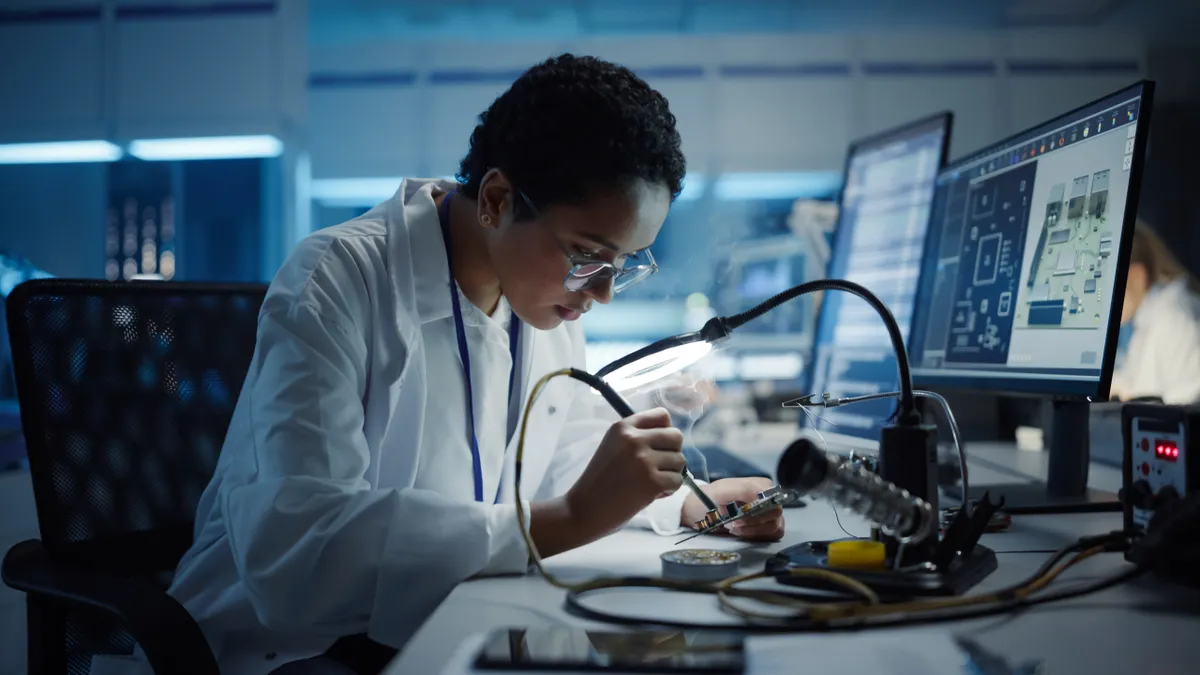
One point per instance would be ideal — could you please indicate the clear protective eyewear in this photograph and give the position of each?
(586, 273)
(628, 270)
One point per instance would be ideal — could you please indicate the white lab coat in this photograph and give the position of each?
(1163, 359)
(343, 501)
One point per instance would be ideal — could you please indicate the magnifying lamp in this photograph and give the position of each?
(907, 448)
(671, 355)
(663, 358)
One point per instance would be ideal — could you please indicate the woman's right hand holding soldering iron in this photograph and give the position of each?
(640, 459)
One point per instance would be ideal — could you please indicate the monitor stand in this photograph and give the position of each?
(1065, 489)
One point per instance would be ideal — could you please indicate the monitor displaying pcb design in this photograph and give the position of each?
(1070, 258)
(1018, 277)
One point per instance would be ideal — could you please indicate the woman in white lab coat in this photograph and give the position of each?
(368, 466)
(1162, 307)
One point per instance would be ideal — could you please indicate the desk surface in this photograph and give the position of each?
(1142, 626)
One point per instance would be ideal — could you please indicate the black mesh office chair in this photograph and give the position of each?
(126, 391)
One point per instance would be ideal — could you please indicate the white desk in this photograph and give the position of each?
(1002, 462)
(1110, 632)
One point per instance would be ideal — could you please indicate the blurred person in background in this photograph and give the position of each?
(1162, 313)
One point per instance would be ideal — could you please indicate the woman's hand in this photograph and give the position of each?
(766, 526)
(639, 460)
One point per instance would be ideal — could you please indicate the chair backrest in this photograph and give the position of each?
(126, 391)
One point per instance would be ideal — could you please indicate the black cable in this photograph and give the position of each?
(1100, 584)
(1081, 544)
(908, 408)
(839, 522)
(1004, 607)
(575, 606)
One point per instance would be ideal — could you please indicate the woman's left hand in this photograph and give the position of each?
(766, 526)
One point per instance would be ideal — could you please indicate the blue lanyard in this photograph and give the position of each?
(514, 331)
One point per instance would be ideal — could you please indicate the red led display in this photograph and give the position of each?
(1166, 450)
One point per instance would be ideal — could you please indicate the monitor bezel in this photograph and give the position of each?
(946, 118)
(1049, 387)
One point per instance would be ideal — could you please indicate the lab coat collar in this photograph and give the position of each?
(412, 214)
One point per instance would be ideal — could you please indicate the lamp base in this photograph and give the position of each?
(964, 573)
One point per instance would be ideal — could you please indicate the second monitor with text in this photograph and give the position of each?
(882, 220)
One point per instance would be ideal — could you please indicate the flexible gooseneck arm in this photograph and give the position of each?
(908, 406)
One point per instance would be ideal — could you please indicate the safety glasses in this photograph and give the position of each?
(586, 273)
(628, 270)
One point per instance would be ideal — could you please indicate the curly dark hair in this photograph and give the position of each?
(571, 126)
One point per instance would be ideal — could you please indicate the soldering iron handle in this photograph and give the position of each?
(614, 399)
(625, 410)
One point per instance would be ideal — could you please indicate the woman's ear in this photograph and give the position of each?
(495, 195)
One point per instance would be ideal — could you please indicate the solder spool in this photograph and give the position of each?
(700, 564)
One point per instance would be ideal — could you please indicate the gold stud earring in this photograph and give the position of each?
(485, 219)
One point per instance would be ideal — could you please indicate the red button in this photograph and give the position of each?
(1145, 468)
(1145, 445)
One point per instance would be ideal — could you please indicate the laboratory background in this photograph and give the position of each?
(176, 140)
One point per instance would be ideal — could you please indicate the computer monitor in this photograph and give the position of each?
(880, 237)
(1024, 277)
